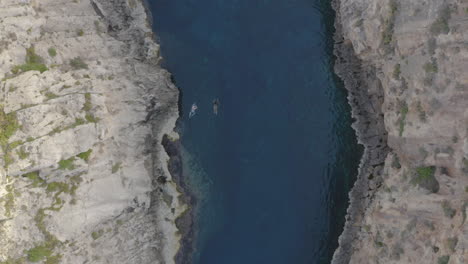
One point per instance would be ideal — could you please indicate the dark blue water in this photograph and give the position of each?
(272, 171)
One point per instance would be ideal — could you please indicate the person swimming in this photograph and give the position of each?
(193, 110)
(215, 106)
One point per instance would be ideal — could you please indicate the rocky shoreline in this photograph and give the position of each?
(172, 145)
(365, 97)
(185, 222)
(401, 63)
(85, 109)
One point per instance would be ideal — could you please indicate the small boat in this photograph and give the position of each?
(193, 110)
(215, 106)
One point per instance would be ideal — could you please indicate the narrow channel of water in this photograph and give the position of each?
(273, 169)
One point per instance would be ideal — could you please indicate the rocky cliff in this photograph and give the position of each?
(404, 64)
(83, 110)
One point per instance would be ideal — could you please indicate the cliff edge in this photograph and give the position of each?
(84, 107)
(404, 64)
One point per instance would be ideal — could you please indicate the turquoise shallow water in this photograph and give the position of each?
(273, 169)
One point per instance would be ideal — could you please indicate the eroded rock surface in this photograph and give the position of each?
(405, 64)
(84, 108)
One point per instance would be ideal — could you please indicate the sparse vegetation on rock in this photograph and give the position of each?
(431, 67)
(97, 234)
(441, 24)
(45, 49)
(67, 164)
(396, 71)
(116, 167)
(38, 253)
(452, 243)
(78, 64)
(34, 62)
(85, 155)
(52, 52)
(424, 178)
(8, 126)
(448, 210)
(423, 99)
(389, 24)
(443, 259)
(402, 119)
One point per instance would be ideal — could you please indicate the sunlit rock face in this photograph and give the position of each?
(84, 107)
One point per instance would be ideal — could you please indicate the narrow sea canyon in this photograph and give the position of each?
(272, 170)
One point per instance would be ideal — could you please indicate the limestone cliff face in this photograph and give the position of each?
(84, 107)
(408, 74)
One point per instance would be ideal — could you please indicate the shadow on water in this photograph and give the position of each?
(272, 171)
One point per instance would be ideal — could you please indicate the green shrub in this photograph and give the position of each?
(452, 243)
(396, 162)
(85, 155)
(8, 159)
(98, 234)
(12, 88)
(397, 251)
(56, 259)
(387, 34)
(465, 205)
(67, 164)
(50, 95)
(396, 71)
(9, 200)
(465, 166)
(87, 104)
(97, 27)
(8, 126)
(379, 244)
(34, 177)
(52, 52)
(116, 167)
(424, 178)
(431, 46)
(440, 25)
(423, 153)
(91, 118)
(77, 63)
(431, 67)
(29, 67)
(78, 122)
(80, 32)
(422, 113)
(33, 63)
(38, 253)
(22, 153)
(402, 120)
(15, 144)
(32, 57)
(448, 210)
(443, 259)
(58, 187)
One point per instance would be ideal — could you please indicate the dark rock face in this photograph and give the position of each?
(401, 62)
(184, 223)
(365, 95)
